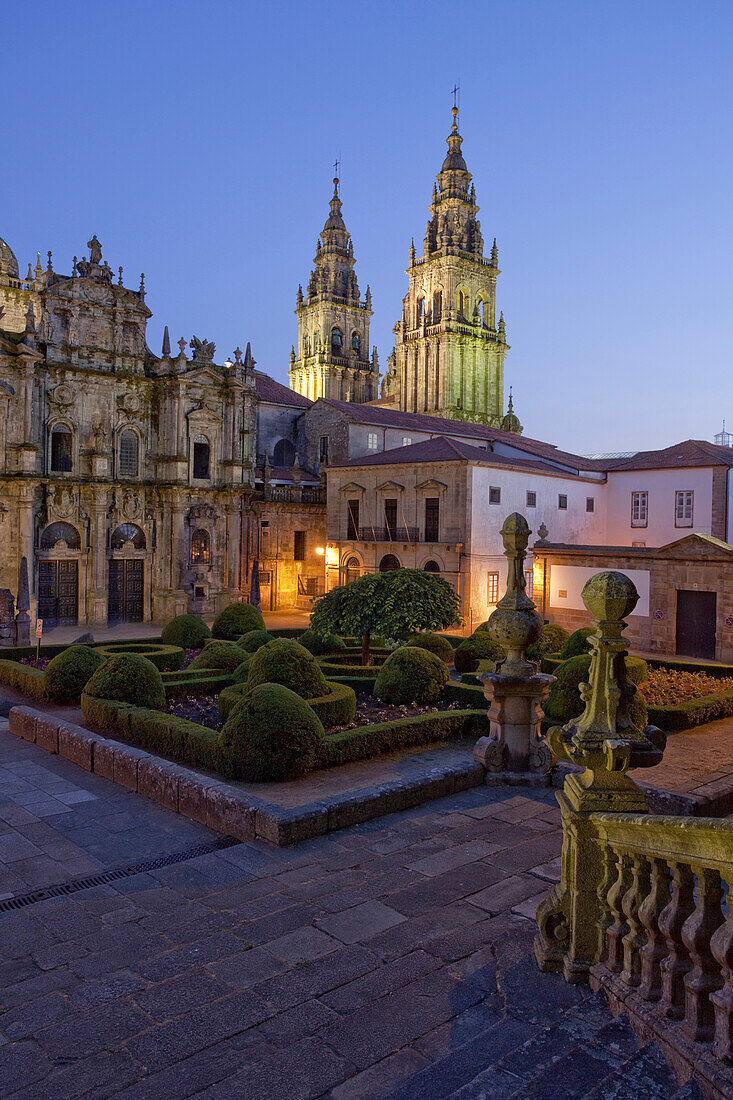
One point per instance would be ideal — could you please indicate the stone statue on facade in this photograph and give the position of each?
(95, 250)
(203, 350)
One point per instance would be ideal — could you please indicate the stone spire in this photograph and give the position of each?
(166, 343)
(453, 226)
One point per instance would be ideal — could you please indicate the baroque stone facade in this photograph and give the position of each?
(449, 354)
(123, 475)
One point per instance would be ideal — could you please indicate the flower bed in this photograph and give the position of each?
(668, 686)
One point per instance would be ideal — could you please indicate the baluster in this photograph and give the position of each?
(606, 919)
(704, 978)
(635, 938)
(721, 946)
(655, 948)
(677, 962)
(618, 927)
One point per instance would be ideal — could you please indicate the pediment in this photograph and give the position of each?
(352, 487)
(204, 376)
(432, 483)
(390, 486)
(701, 547)
(203, 414)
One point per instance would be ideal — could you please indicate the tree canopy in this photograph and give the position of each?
(395, 604)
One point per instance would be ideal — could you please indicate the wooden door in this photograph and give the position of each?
(125, 591)
(696, 624)
(58, 592)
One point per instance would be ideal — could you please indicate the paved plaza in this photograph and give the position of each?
(393, 959)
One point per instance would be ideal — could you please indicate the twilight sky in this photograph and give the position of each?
(197, 142)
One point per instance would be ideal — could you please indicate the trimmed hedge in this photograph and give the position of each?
(272, 734)
(25, 678)
(465, 694)
(154, 731)
(564, 702)
(127, 678)
(235, 620)
(212, 684)
(320, 646)
(162, 656)
(221, 655)
(551, 640)
(253, 640)
(333, 671)
(411, 674)
(421, 729)
(335, 708)
(576, 645)
(187, 631)
(480, 646)
(684, 665)
(285, 662)
(434, 643)
(67, 673)
(694, 712)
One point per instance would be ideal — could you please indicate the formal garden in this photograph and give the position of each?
(371, 675)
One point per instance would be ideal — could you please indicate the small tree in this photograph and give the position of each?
(395, 604)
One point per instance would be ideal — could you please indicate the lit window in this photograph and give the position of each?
(683, 508)
(492, 588)
(128, 454)
(590, 504)
(494, 495)
(406, 440)
(562, 500)
(372, 441)
(61, 459)
(200, 547)
(531, 498)
(639, 509)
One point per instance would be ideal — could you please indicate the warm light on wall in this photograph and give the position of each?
(332, 555)
(538, 583)
(320, 551)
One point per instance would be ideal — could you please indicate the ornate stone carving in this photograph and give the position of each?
(131, 504)
(62, 395)
(202, 511)
(203, 350)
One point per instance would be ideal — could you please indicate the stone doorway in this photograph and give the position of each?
(125, 591)
(58, 593)
(696, 624)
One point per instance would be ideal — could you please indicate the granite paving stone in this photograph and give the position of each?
(361, 922)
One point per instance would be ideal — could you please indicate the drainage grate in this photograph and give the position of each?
(104, 878)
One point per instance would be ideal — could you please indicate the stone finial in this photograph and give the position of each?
(515, 623)
(237, 355)
(166, 350)
(49, 266)
(542, 531)
(119, 276)
(182, 346)
(24, 600)
(142, 285)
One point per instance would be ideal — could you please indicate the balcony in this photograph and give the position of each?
(405, 534)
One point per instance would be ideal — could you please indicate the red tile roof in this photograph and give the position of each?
(444, 449)
(691, 452)
(276, 394)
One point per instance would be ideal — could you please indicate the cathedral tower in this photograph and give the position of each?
(333, 324)
(449, 352)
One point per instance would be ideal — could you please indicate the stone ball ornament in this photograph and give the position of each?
(610, 595)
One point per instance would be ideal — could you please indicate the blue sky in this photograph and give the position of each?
(197, 141)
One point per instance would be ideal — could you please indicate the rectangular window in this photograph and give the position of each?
(61, 460)
(390, 517)
(352, 519)
(299, 545)
(590, 504)
(323, 449)
(683, 508)
(529, 577)
(406, 440)
(372, 441)
(531, 498)
(638, 544)
(562, 500)
(201, 461)
(494, 495)
(639, 509)
(432, 519)
(492, 588)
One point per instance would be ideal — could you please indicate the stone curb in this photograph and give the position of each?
(222, 806)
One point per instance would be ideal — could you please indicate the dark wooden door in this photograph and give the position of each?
(58, 592)
(125, 591)
(696, 624)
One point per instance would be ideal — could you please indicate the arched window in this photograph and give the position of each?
(127, 532)
(356, 343)
(389, 563)
(480, 310)
(306, 350)
(201, 458)
(462, 303)
(431, 567)
(284, 453)
(337, 340)
(437, 306)
(128, 453)
(317, 340)
(419, 312)
(56, 532)
(62, 461)
(352, 570)
(200, 547)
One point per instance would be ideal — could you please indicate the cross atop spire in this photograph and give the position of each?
(454, 108)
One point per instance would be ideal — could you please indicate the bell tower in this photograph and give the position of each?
(332, 358)
(449, 350)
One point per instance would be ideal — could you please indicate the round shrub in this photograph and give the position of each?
(271, 735)
(67, 673)
(337, 707)
(285, 661)
(241, 672)
(576, 645)
(228, 699)
(564, 702)
(220, 655)
(332, 643)
(188, 631)
(434, 643)
(253, 639)
(235, 620)
(411, 674)
(479, 647)
(551, 640)
(162, 656)
(127, 678)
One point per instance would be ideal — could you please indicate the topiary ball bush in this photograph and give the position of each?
(564, 702)
(434, 643)
(271, 735)
(576, 645)
(127, 678)
(253, 639)
(551, 640)
(225, 656)
(235, 620)
(241, 672)
(67, 673)
(411, 675)
(187, 631)
(285, 661)
(479, 647)
(319, 647)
